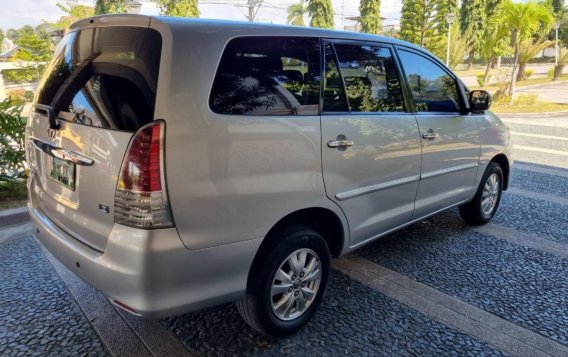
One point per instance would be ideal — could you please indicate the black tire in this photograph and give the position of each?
(473, 211)
(256, 307)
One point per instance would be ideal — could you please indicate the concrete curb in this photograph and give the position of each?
(531, 115)
(14, 216)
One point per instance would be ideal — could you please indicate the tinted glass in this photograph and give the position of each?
(268, 76)
(370, 77)
(432, 88)
(105, 78)
(333, 95)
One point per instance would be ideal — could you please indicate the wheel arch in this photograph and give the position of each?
(503, 161)
(322, 220)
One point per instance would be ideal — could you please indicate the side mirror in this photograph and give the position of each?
(479, 100)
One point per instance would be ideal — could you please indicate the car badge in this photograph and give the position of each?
(51, 132)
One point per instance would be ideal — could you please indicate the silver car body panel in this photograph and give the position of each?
(77, 211)
(449, 161)
(375, 180)
(231, 178)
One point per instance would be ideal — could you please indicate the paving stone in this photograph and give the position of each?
(539, 182)
(353, 320)
(39, 317)
(548, 220)
(522, 285)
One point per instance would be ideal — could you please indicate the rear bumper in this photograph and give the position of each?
(151, 271)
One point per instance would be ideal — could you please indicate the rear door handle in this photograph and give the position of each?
(71, 156)
(430, 135)
(338, 143)
(62, 154)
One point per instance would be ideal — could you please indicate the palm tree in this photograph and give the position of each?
(521, 21)
(562, 62)
(527, 51)
(460, 45)
(296, 13)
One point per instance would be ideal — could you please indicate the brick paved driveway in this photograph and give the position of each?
(437, 287)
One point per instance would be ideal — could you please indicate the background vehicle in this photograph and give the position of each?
(177, 164)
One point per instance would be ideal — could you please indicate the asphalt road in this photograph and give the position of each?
(554, 93)
(438, 287)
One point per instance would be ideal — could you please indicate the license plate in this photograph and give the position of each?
(63, 172)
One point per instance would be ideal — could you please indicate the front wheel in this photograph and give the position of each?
(287, 286)
(486, 201)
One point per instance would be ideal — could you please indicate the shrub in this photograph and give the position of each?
(501, 96)
(12, 154)
(528, 73)
(20, 96)
(550, 73)
(480, 77)
(525, 99)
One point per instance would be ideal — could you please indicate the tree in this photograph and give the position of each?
(562, 62)
(34, 48)
(1, 38)
(424, 23)
(371, 21)
(12, 144)
(527, 51)
(460, 45)
(296, 13)
(521, 21)
(417, 22)
(110, 7)
(473, 20)
(321, 14)
(556, 5)
(443, 8)
(180, 8)
(74, 11)
(12, 34)
(495, 45)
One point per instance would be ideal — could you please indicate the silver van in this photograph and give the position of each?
(181, 163)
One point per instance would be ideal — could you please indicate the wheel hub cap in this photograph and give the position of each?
(490, 194)
(296, 284)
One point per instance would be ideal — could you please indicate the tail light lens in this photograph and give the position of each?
(141, 199)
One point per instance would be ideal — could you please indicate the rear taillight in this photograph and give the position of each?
(141, 199)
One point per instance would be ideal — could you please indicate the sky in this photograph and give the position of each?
(17, 13)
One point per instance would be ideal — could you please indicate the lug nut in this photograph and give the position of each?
(293, 277)
(289, 290)
(303, 285)
(301, 275)
(296, 293)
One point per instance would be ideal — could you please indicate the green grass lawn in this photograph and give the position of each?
(538, 107)
(528, 82)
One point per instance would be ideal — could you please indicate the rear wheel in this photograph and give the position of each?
(287, 286)
(486, 201)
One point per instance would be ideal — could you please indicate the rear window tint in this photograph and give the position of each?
(268, 76)
(105, 77)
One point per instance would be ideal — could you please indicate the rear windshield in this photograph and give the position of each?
(104, 77)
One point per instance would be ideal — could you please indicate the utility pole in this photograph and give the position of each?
(450, 18)
(252, 7)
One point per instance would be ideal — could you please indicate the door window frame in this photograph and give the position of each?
(406, 96)
(464, 104)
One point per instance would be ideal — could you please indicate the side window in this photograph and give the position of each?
(268, 76)
(333, 95)
(370, 77)
(432, 87)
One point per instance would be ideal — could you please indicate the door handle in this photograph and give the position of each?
(62, 154)
(338, 143)
(430, 135)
